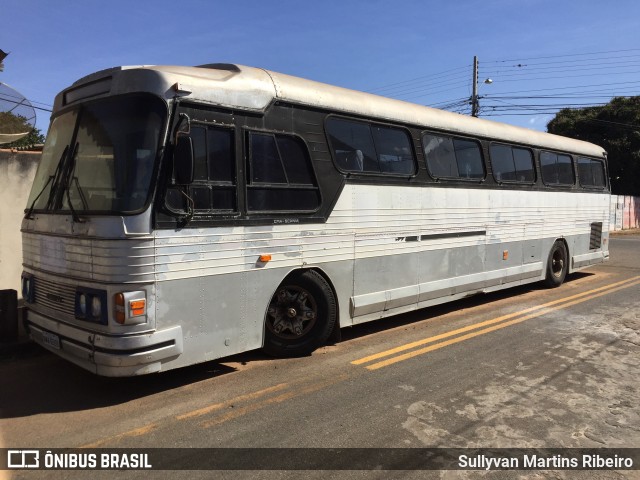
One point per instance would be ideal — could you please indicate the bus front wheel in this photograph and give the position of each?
(300, 315)
(557, 265)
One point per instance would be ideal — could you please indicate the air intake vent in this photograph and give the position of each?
(595, 240)
(229, 67)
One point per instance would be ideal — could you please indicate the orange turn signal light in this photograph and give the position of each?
(127, 306)
(265, 258)
(137, 307)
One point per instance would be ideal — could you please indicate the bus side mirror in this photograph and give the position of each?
(183, 160)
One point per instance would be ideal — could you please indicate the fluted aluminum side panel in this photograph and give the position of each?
(111, 261)
(368, 222)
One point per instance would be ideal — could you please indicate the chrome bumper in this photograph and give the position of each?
(108, 355)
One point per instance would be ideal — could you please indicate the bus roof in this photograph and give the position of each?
(242, 87)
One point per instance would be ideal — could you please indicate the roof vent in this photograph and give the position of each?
(229, 67)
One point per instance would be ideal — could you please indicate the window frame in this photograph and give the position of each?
(557, 154)
(511, 147)
(603, 163)
(370, 124)
(452, 138)
(248, 181)
(211, 184)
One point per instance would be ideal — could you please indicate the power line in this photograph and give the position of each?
(554, 70)
(602, 60)
(609, 84)
(417, 79)
(567, 55)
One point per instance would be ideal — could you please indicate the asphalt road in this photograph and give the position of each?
(527, 368)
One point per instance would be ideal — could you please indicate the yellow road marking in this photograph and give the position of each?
(241, 398)
(136, 432)
(541, 310)
(452, 333)
(269, 401)
(435, 338)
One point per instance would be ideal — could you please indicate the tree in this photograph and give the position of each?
(616, 128)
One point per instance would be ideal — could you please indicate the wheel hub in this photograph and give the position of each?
(291, 313)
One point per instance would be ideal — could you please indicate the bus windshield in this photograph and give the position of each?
(100, 157)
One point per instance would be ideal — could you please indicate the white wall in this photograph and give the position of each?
(17, 170)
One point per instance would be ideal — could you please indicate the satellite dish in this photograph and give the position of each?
(17, 115)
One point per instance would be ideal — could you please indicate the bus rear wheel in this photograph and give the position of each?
(301, 315)
(557, 265)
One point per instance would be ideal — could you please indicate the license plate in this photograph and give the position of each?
(51, 339)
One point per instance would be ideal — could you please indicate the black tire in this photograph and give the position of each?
(300, 316)
(557, 265)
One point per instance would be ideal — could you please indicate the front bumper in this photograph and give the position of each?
(108, 355)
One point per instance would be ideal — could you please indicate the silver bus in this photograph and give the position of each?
(184, 214)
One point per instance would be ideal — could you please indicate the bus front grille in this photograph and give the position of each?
(55, 296)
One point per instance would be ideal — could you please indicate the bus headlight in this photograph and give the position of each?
(130, 307)
(96, 307)
(82, 303)
(91, 305)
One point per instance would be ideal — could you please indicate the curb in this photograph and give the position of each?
(631, 231)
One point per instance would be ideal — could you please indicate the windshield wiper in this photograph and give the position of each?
(54, 193)
(66, 185)
(53, 178)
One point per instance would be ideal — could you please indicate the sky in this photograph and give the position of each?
(571, 52)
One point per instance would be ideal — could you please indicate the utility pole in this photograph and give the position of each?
(475, 103)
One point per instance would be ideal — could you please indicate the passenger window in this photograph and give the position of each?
(556, 169)
(295, 160)
(565, 170)
(281, 177)
(266, 166)
(523, 161)
(393, 147)
(512, 164)
(452, 157)
(502, 163)
(199, 140)
(214, 186)
(221, 157)
(591, 173)
(370, 148)
(469, 159)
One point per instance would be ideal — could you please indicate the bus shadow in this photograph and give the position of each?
(39, 382)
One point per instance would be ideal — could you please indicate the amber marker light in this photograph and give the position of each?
(137, 307)
(130, 308)
(265, 258)
(119, 310)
